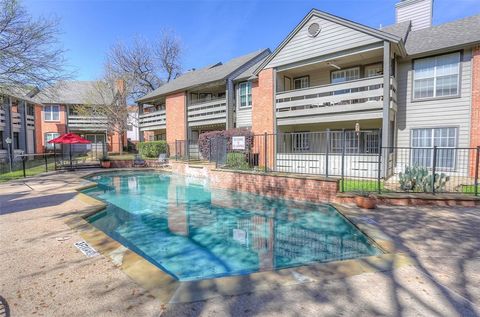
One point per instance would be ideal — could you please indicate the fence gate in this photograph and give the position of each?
(219, 150)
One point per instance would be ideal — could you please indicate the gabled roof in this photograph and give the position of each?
(400, 29)
(209, 74)
(335, 19)
(448, 35)
(71, 92)
(22, 93)
(246, 74)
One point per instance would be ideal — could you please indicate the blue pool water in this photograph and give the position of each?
(193, 232)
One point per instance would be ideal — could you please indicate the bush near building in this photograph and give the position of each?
(152, 149)
(206, 141)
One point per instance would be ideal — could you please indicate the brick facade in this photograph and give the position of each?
(176, 116)
(475, 114)
(263, 112)
(475, 121)
(42, 126)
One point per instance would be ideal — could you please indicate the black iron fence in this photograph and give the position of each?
(25, 165)
(356, 158)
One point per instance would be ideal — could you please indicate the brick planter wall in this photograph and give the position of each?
(276, 185)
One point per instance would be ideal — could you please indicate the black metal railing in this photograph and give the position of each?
(26, 165)
(355, 158)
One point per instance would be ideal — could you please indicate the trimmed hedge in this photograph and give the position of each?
(152, 149)
(206, 140)
(237, 161)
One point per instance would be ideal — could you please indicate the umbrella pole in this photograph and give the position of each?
(71, 166)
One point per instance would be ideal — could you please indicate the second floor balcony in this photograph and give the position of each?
(155, 120)
(208, 112)
(365, 94)
(85, 123)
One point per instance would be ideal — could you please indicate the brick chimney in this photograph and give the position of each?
(419, 12)
(120, 86)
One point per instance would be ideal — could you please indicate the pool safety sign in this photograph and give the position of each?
(240, 236)
(86, 248)
(238, 142)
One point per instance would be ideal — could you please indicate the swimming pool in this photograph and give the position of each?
(193, 232)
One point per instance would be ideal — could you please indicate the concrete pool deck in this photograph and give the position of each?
(42, 273)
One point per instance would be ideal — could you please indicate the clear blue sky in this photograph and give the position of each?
(211, 31)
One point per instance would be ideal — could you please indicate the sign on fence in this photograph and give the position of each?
(238, 143)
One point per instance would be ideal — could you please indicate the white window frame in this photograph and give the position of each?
(304, 82)
(301, 141)
(435, 77)
(432, 142)
(248, 95)
(50, 146)
(50, 112)
(356, 69)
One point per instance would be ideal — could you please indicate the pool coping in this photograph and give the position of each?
(169, 290)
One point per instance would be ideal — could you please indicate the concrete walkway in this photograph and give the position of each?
(43, 274)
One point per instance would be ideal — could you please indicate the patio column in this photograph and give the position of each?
(22, 109)
(386, 123)
(141, 138)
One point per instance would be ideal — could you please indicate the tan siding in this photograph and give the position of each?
(332, 38)
(453, 112)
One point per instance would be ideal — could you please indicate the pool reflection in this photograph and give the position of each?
(193, 232)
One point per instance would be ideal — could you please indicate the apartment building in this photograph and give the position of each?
(411, 84)
(201, 100)
(60, 112)
(17, 122)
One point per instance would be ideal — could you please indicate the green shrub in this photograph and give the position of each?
(152, 149)
(236, 161)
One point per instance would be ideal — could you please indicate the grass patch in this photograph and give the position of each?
(123, 157)
(31, 170)
(469, 189)
(361, 185)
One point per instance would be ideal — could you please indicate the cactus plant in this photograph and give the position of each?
(418, 179)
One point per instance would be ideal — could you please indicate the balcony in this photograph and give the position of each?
(16, 121)
(323, 103)
(208, 112)
(153, 120)
(30, 122)
(83, 123)
(2, 117)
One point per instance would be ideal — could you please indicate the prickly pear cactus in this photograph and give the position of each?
(418, 179)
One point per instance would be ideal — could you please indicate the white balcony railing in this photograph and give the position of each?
(16, 121)
(153, 120)
(209, 112)
(30, 122)
(361, 94)
(2, 117)
(87, 123)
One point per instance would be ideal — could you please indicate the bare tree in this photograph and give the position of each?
(168, 51)
(145, 65)
(136, 64)
(29, 51)
(106, 102)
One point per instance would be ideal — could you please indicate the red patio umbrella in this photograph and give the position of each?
(70, 138)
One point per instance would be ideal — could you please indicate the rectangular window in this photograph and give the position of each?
(363, 142)
(301, 82)
(373, 70)
(245, 94)
(301, 141)
(50, 136)
(340, 76)
(2, 146)
(30, 110)
(423, 141)
(16, 140)
(437, 76)
(51, 113)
